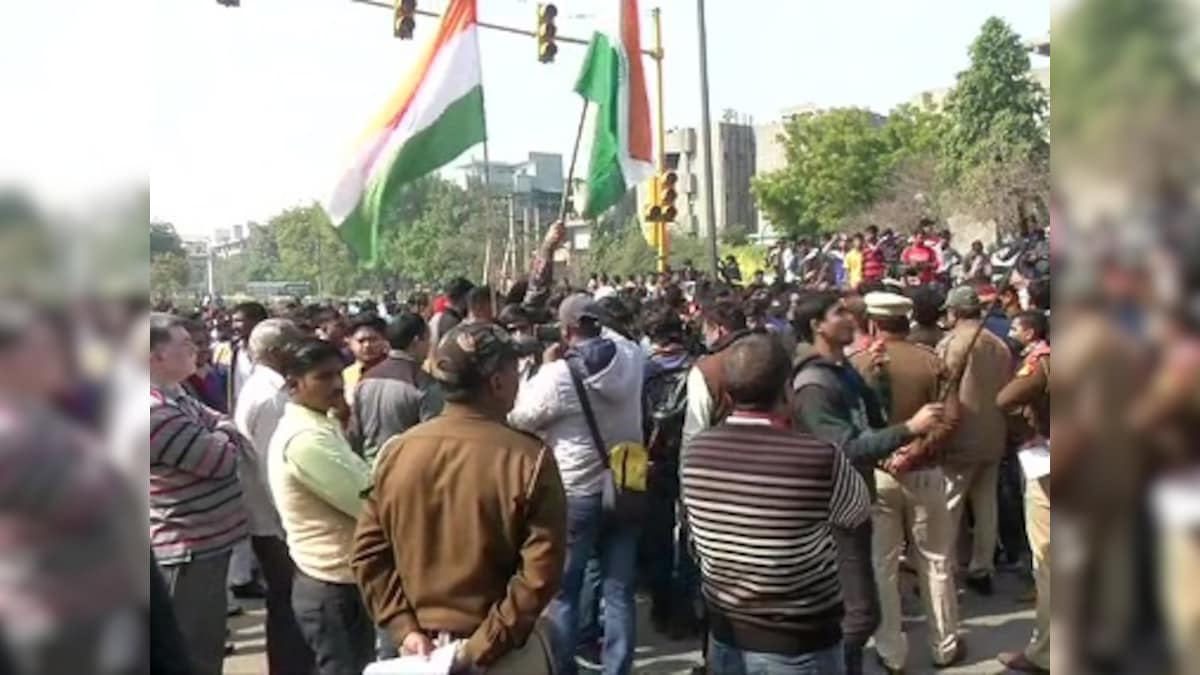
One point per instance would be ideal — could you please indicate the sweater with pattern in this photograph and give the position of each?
(759, 501)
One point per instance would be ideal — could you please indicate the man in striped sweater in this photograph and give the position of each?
(196, 512)
(760, 499)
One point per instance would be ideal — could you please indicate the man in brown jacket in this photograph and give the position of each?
(1029, 395)
(910, 500)
(974, 450)
(463, 535)
(724, 323)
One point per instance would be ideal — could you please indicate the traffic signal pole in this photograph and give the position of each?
(484, 24)
(710, 209)
(661, 230)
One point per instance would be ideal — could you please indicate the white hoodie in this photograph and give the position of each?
(548, 406)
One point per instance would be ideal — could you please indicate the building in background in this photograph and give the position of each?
(197, 257)
(734, 157)
(526, 196)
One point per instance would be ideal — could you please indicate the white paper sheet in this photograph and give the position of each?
(1177, 500)
(438, 663)
(1035, 461)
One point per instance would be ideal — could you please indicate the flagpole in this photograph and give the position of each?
(562, 209)
(490, 223)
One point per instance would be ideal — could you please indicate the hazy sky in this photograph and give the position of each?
(255, 107)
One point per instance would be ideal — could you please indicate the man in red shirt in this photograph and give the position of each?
(874, 267)
(919, 260)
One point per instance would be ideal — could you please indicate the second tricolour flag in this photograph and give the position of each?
(435, 115)
(613, 79)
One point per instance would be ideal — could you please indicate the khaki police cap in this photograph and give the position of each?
(887, 305)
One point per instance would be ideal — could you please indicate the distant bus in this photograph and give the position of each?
(268, 289)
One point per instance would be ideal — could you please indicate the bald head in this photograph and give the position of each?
(756, 372)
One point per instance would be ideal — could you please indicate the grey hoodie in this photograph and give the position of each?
(548, 406)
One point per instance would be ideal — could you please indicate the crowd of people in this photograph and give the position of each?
(503, 473)
(506, 471)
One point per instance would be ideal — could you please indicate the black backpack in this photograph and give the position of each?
(665, 398)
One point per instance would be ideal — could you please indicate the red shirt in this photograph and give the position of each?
(873, 267)
(922, 258)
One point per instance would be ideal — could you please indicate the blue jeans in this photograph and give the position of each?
(728, 660)
(617, 549)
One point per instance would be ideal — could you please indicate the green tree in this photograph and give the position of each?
(916, 132)
(435, 232)
(619, 249)
(838, 162)
(169, 270)
(1127, 100)
(310, 250)
(258, 260)
(997, 112)
(164, 239)
(169, 273)
(736, 235)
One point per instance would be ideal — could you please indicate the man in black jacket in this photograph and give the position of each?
(394, 395)
(832, 402)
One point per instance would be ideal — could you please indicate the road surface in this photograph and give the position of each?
(988, 625)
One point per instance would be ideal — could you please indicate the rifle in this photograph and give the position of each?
(951, 384)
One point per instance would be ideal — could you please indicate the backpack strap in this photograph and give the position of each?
(588, 414)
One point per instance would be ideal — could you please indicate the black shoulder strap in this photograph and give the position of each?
(588, 414)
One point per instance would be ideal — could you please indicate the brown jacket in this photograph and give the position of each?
(979, 425)
(712, 367)
(912, 377)
(1097, 460)
(1028, 393)
(447, 540)
(929, 336)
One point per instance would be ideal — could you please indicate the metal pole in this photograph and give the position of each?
(710, 209)
(492, 26)
(487, 213)
(661, 236)
(510, 258)
(320, 266)
(525, 248)
(537, 232)
(209, 268)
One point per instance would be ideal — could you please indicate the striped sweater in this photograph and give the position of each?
(759, 501)
(195, 499)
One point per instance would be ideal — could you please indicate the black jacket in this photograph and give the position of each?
(832, 402)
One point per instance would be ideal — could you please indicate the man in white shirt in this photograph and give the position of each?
(260, 406)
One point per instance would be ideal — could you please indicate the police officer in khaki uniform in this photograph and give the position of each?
(911, 502)
(1029, 394)
(983, 364)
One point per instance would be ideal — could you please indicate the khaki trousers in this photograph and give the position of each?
(913, 508)
(1180, 561)
(975, 483)
(1037, 525)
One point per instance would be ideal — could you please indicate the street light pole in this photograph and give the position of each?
(710, 209)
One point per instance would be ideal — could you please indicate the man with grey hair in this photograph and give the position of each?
(259, 408)
(196, 512)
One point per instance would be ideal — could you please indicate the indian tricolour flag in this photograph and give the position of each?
(613, 79)
(435, 115)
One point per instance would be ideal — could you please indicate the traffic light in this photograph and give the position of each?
(403, 21)
(667, 194)
(661, 203)
(546, 31)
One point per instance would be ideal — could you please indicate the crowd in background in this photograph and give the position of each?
(895, 356)
(314, 434)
